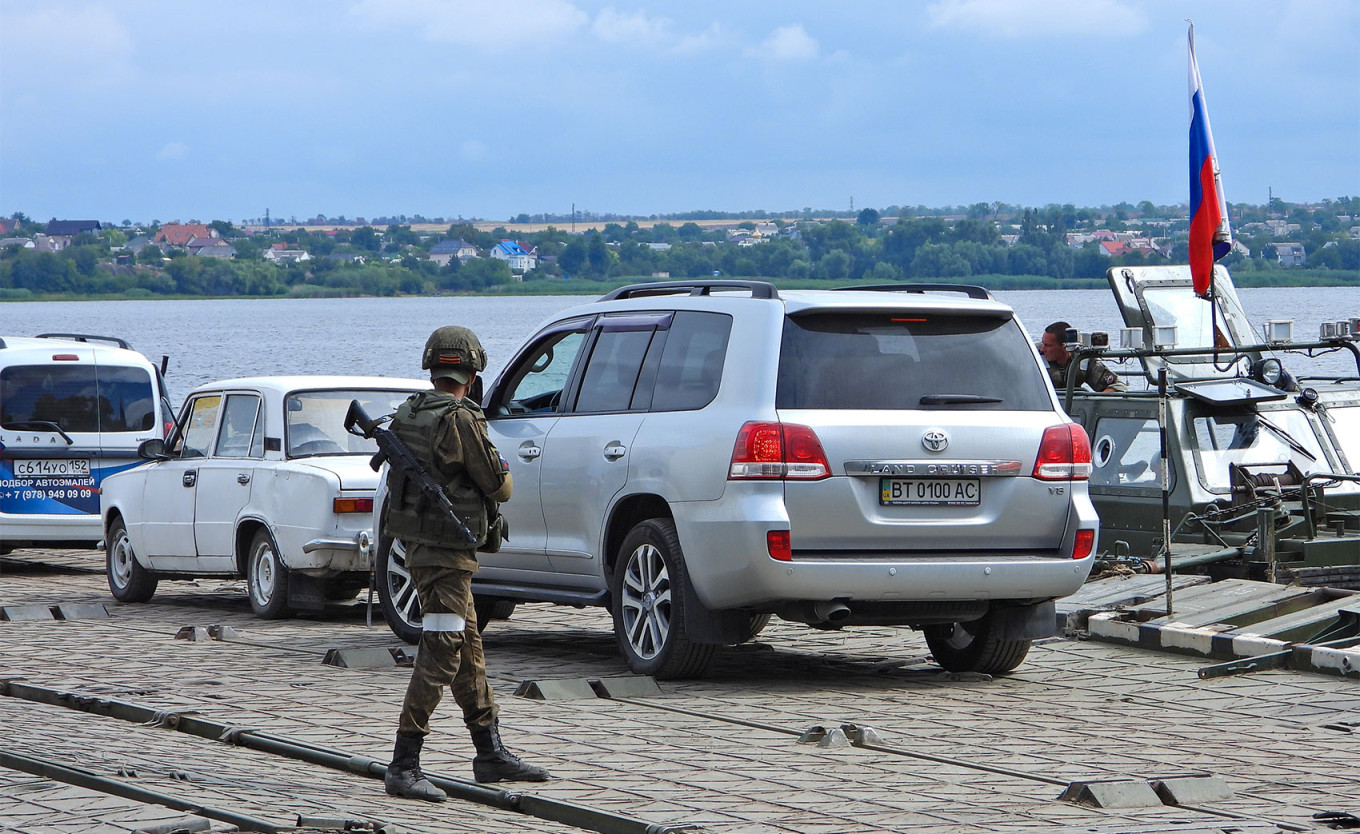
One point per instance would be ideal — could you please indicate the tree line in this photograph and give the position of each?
(366, 260)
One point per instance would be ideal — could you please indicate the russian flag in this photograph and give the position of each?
(1210, 234)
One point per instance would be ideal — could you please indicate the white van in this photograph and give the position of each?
(73, 409)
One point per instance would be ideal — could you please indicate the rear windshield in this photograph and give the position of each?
(316, 420)
(78, 398)
(908, 361)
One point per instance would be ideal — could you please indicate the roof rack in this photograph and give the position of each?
(970, 290)
(759, 289)
(85, 337)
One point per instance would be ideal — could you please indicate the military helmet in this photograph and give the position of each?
(453, 352)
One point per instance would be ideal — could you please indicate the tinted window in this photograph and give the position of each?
(86, 397)
(613, 370)
(908, 361)
(692, 361)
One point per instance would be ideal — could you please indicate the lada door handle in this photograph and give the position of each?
(243, 479)
(189, 478)
(529, 451)
(615, 450)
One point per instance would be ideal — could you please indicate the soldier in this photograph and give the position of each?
(447, 433)
(1093, 372)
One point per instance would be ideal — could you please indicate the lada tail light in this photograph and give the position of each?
(1064, 454)
(352, 505)
(778, 452)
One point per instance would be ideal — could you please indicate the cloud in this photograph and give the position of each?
(492, 27)
(172, 150)
(1024, 18)
(616, 27)
(787, 43)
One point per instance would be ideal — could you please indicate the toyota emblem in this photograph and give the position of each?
(935, 440)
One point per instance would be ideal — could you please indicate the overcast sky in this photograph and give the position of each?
(172, 110)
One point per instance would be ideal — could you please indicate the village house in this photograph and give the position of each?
(445, 251)
(211, 248)
(284, 253)
(515, 255)
(62, 232)
(1290, 254)
(182, 234)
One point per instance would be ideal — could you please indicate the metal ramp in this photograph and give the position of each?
(1249, 625)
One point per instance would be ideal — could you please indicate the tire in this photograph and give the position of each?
(396, 591)
(648, 603)
(972, 647)
(492, 608)
(267, 579)
(401, 604)
(128, 580)
(757, 625)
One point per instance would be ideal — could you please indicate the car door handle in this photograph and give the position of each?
(189, 478)
(615, 450)
(529, 451)
(243, 478)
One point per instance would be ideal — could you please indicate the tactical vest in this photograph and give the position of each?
(410, 516)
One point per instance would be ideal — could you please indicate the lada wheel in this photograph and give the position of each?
(648, 603)
(128, 580)
(267, 579)
(972, 647)
(396, 590)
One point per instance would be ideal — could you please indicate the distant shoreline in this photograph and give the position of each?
(1297, 279)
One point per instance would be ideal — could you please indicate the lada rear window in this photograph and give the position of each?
(78, 398)
(893, 360)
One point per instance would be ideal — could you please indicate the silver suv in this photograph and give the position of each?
(699, 456)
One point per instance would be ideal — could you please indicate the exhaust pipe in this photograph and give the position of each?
(830, 612)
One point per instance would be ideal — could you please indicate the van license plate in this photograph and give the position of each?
(938, 491)
(52, 468)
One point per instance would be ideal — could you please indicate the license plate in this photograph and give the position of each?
(938, 491)
(52, 468)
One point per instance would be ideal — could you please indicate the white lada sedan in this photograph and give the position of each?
(258, 479)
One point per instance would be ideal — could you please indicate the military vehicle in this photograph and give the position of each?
(1230, 454)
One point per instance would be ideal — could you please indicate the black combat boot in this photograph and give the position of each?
(403, 775)
(496, 764)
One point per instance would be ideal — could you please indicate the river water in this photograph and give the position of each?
(209, 340)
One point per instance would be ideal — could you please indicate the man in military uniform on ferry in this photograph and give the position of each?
(1093, 373)
(447, 433)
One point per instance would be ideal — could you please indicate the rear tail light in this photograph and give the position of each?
(778, 451)
(1064, 454)
(353, 505)
(1086, 541)
(780, 545)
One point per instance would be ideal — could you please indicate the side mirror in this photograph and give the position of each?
(153, 449)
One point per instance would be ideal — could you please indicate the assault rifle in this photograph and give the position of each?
(397, 456)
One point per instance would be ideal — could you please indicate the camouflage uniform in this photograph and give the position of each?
(449, 656)
(1094, 373)
(448, 436)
